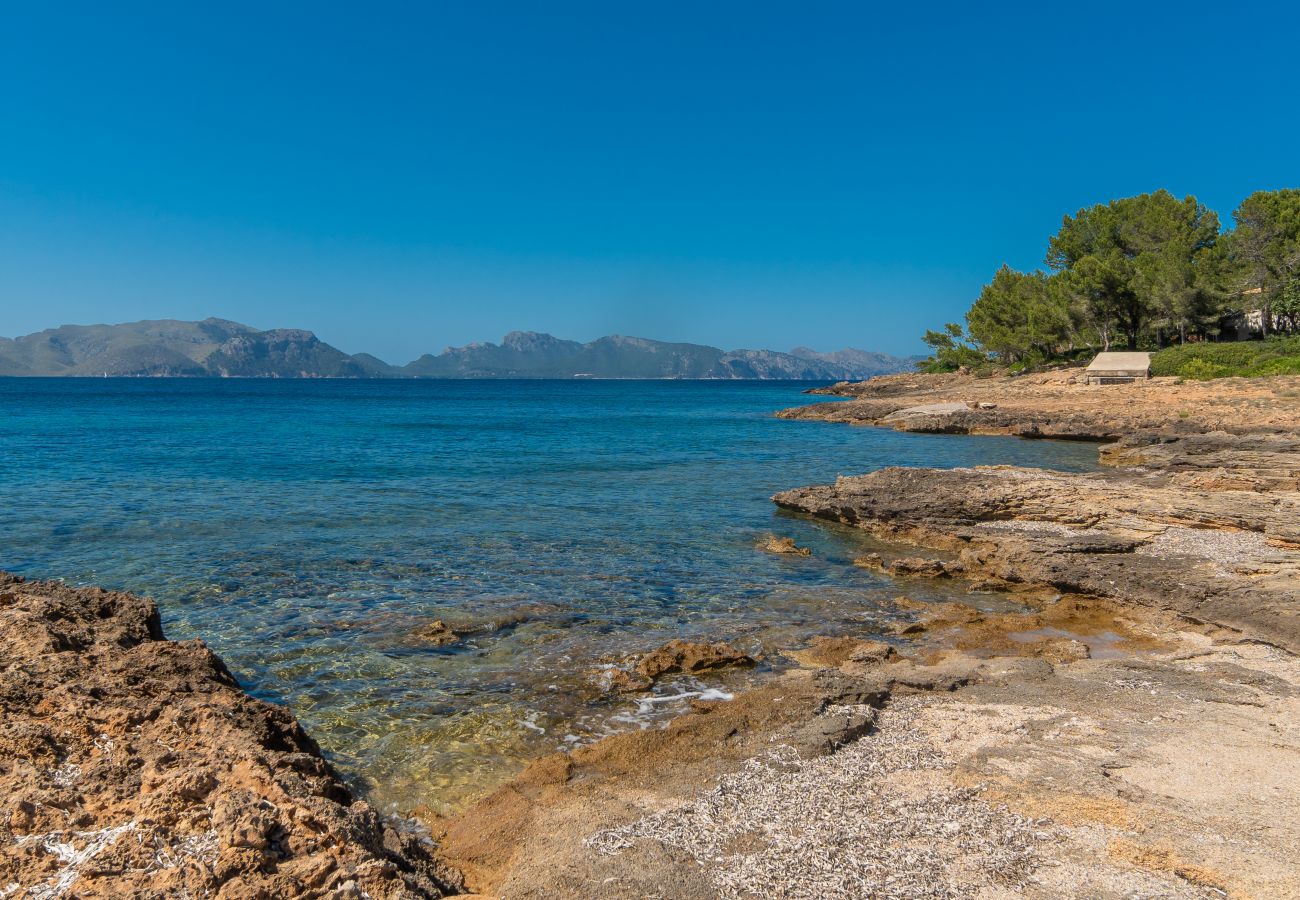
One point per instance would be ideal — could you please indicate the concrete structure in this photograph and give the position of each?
(1119, 368)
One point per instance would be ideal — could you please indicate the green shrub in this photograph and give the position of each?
(1282, 365)
(1275, 356)
(1203, 370)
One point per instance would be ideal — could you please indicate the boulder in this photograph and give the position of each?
(438, 633)
(690, 658)
(774, 544)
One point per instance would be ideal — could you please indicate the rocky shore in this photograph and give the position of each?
(1081, 748)
(134, 766)
(1134, 731)
(1205, 523)
(1114, 711)
(1056, 405)
(1225, 555)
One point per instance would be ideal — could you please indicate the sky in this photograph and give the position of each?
(399, 178)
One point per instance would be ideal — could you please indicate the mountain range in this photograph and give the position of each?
(221, 348)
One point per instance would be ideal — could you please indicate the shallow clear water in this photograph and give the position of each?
(307, 529)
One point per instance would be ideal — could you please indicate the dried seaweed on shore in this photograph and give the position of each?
(866, 821)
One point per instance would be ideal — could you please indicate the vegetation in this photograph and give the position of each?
(1266, 248)
(951, 351)
(1142, 272)
(1020, 316)
(1275, 356)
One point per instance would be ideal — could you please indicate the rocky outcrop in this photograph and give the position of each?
(1199, 513)
(1109, 735)
(783, 545)
(690, 658)
(131, 765)
(1056, 405)
(640, 671)
(1216, 461)
(1227, 551)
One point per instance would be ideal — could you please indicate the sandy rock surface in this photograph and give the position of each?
(1154, 762)
(1053, 405)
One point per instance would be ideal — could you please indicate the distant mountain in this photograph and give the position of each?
(528, 354)
(220, 348)
(859, 360)
(283, 353)
(165, 347)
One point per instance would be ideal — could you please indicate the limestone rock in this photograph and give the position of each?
(161, 777)
(837, 651)
(1139, 535)
(774, 544)
(690, 658)
(438, 633)
(1053, 405)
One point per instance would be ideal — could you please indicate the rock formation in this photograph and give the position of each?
(1227, 552)
(1055, 405)
(131, 765)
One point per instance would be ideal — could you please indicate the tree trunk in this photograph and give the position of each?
(1133, 325)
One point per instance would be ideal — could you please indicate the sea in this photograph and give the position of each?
(312, 531)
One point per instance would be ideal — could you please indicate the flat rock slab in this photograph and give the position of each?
(1058, 404)
(1228, 556)
(927, 409)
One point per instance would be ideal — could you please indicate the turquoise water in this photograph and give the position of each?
(308, 529)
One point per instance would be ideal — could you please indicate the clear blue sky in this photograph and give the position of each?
(403, 177)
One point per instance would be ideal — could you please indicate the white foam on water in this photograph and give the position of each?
(638, 714)
(646, 705)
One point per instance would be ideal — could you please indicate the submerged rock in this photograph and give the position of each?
(621, 680)
(774, 544)
(438, 633)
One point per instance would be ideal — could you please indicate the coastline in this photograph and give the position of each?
(1057, 405)
(1079, 742)
(1142, 713)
